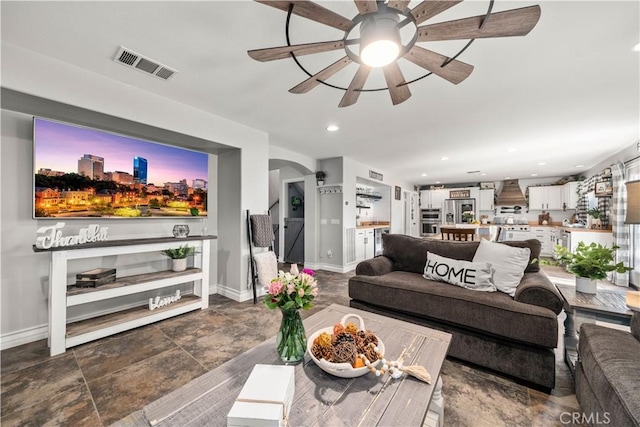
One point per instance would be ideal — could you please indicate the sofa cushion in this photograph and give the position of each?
(508, 264)
(469, 275)
(410, 253)
(610, 359)
(492, 313)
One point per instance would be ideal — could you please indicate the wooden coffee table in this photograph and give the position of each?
(607, 305)
(320, 398)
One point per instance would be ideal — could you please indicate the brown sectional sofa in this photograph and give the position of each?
(515, 336)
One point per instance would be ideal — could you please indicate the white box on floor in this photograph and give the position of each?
(265, 399)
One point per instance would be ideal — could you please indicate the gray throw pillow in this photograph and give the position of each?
(508, 264)
(466, 274)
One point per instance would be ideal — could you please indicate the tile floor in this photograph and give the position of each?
(98, 383)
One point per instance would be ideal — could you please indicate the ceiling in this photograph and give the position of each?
(567, 94)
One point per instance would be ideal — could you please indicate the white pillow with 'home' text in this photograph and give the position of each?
(469, 275)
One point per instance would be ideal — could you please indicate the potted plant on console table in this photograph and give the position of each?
(589, 263)
(179, 256)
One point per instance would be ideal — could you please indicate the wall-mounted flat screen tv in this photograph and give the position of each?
(83, 172)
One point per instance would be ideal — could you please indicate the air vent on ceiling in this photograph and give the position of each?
(142, 63)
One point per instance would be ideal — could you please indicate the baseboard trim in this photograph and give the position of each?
(24, 336)
(336, 268)
(242, 296)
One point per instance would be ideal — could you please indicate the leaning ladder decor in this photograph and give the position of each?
(260, 241)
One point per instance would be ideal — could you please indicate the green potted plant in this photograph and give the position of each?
(179, 256)
(320, 176)
(595, 216)
(589, 263)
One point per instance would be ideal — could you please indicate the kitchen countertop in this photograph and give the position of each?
(584, 230)
(371, 225)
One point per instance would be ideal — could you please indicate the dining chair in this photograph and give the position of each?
(450, 233)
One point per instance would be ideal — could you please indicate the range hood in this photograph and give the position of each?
(511, 194)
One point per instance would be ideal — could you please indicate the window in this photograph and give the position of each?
(632, 173)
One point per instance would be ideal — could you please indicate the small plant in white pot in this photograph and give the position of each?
(594, 217)
(179, 256)
(320, 176)
(589, 263)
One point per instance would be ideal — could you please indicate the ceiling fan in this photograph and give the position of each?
(380, 43)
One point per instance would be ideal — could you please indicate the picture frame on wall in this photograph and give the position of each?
(603, 188)
(398, 193)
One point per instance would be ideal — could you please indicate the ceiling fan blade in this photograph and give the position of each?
(353, 91)
(430, 8)
(312, 82)
(394, 78)
(315, 12)
(282, 52)
(454, 71)
(400, 5)
(516, 22)
(366, 6)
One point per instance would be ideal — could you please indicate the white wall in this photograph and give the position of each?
(23, 290)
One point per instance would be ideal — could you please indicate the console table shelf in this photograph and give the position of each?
(103, 326)
(131, 285)
(63, 334)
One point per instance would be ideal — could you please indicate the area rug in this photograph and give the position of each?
(473, 396)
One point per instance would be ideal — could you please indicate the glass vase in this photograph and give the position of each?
(291, 341)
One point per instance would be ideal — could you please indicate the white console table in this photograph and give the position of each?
(63, 335)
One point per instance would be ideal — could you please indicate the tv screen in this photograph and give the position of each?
(82, 172)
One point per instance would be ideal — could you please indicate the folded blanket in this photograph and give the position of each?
(266, 266)
(261, 231)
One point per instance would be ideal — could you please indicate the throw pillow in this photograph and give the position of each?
(508, 264)
(469, 275)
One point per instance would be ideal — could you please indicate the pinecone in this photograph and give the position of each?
(343, 337)
(370, 337)
(370, 354)
(320, 352)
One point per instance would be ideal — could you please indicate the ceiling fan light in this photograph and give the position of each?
(379, 53)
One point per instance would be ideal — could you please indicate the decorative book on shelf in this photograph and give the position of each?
(96, 277)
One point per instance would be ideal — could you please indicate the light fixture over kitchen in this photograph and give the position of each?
(384, 31)
(332, 128)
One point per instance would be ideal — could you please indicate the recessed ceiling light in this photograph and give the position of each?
(444, 158)
(332, 128)
(542, 163)
(579, 166)
(507, 177)
(512, 150)
(437, 182)
(534, 174)
(637, 47)
(424, 174)
(482, 174)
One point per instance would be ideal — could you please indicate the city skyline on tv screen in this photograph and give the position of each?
(83, 172)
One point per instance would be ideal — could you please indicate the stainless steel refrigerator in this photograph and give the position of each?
(453, 209)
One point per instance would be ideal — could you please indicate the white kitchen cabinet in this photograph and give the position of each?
(550, 197)
(486, 200)
(432, 199)
(543, 234)
(570, 194)
(365, 244)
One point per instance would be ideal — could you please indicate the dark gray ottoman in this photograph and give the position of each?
(608, 374)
